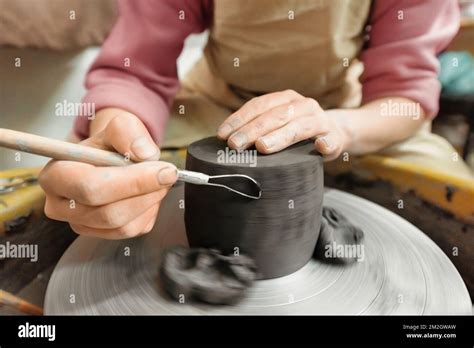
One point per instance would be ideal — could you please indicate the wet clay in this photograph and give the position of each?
(278, 231)
(205, 275)
(336, 234)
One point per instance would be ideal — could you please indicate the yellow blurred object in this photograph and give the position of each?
(450, 193)
(176, 156)
(20, 197)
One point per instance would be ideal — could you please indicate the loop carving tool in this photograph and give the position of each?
(62, 150)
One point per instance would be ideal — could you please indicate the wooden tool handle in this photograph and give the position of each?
(23, 306)
(59, 150)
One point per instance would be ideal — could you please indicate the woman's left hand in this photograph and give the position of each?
(274, 121)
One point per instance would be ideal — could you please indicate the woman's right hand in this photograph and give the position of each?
(110, 202)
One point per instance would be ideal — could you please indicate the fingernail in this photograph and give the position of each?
(143, 148)
(267, 142)
(238, 139)
(326, 142)
(167, 175)
(224, 130)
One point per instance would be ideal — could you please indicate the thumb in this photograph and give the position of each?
(127, 135)
(328, 146)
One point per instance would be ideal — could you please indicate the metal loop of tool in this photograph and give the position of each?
(235, 191)
(203, 179)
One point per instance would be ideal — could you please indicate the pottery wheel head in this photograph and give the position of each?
(402, 272)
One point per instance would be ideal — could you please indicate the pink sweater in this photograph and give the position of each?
(399, 59)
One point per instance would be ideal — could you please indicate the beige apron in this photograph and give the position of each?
(262, 46)
(258, 47)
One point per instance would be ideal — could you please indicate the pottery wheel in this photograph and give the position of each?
(403, 272)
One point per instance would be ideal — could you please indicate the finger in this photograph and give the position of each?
(107, 216)
(328, 147)
(135, 228)
(252, 109)
(151, 223)
(269, 121)
(297, 130)
(95, 186)
(127, 135)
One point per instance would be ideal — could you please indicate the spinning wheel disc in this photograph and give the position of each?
(403, 272)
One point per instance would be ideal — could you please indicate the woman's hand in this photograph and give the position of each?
(274, 121)
(110, 202)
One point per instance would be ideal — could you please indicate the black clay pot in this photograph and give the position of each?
(279, 231)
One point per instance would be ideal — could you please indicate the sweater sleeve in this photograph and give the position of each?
(136, 68)
(405, 38)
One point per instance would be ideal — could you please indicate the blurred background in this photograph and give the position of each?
(55, 53)
(55, 47)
